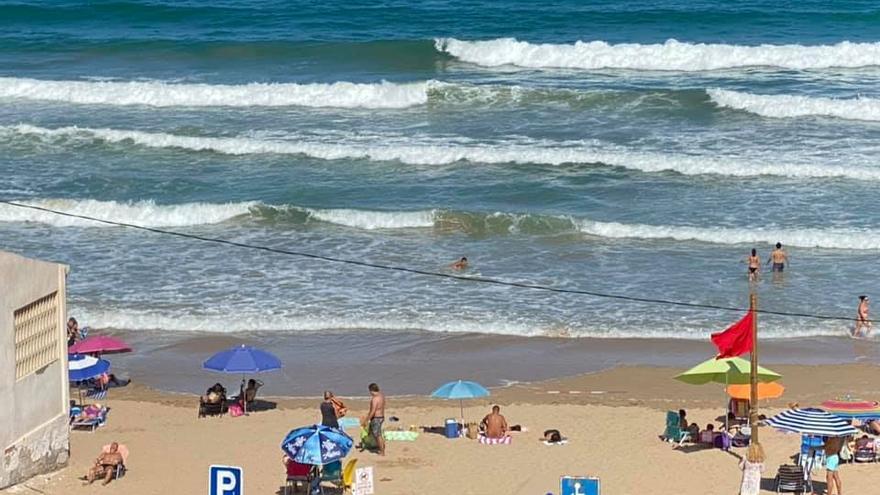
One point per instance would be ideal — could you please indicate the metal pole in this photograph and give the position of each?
(753, 378)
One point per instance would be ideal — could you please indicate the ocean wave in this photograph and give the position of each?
(236, 321)
(433, 152)
(147, 213)
(669, 56)
(163, 94)
(856, 239)
(143, 213)
(783, 106)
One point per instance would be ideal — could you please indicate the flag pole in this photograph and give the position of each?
(753, 377)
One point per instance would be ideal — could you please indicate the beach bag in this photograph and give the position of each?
(722, 441)
(235, 410)
(367, 440)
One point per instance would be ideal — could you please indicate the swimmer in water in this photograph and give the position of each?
(460, 264)
(862, 320)
(779, 258)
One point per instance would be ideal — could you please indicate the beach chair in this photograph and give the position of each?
(793, 478)
(865, 454)
(97, 393)
(739, 408)
(673, 432)
(212, 408)
(298, 473)
(120, 468)
(348, 473)
(330, 473)
(91, 423)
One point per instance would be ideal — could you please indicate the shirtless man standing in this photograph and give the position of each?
(862, 320)
(376, 416)
(779, 258)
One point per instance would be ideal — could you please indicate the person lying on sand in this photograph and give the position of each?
(494, 424)
(552, 436)
(105, 465)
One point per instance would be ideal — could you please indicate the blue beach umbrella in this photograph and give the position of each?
(316, 445)
(81, 367)
(810, 421)
(243, 359)
(460, 389)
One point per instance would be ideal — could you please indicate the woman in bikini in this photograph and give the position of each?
(754, 265)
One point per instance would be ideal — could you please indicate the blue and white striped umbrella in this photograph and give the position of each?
(82, 367)
(812, 421)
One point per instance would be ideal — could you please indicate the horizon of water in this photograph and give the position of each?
(639, 148)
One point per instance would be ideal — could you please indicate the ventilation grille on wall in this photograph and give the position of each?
(36, 335)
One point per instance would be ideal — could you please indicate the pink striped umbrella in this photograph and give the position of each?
(100, 344)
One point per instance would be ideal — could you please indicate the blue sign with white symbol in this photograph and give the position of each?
(575, 485)
(225, 480)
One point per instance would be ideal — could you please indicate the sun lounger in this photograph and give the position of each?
(97, 394)
(91, 423)
(505, 440)
(120, 468)
(866, 454)
(673, 432)
(792, 478)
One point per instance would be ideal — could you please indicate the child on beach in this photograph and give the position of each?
(752, 467)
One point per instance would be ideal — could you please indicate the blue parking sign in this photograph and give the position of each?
(225, 480)
(578, 485)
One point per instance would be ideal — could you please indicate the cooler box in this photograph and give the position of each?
(451, 428)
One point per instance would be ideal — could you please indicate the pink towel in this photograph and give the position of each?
(505, 440)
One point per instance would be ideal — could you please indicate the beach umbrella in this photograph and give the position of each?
(100, 344)
(243, 359)
(460, 389)
(810, 421)
(770, 390)
(853, 408)
(728, 371)
(316, 445)
(81, 367)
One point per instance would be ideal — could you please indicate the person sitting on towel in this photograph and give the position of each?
(708, 435)
(494, 425)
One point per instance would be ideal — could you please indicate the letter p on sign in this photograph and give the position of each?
(225, 480)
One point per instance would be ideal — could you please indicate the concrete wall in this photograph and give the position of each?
(33, 410)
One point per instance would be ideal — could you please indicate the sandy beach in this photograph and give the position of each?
(612, 420)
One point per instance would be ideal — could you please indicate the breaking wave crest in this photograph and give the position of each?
(433, 152)
(669, 56)
(783, 106)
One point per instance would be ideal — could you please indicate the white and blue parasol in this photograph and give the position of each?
(810, 421)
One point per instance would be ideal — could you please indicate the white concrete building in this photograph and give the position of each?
(34, 432)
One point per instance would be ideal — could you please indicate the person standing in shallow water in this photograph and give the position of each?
(862, 319)
(754, 263)
(779, 258)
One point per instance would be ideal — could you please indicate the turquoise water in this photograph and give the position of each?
(639, 148)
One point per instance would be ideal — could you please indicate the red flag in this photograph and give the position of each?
(736, 340)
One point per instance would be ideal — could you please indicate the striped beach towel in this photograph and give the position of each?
(505, 440)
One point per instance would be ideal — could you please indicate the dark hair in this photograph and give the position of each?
(555, 437)
(710, 427)
(373, 387)
(862, 298)
(682, 413)
(778, 245)
(72, 319)
(464, 258)
(496, 407)
(754, 252)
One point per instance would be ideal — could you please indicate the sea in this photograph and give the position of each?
(629, 148)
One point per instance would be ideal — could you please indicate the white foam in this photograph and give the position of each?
(163, 94)
(783, 106)
(371, 220)
(669, 56)
(143, 213)
(414, 152)
(821, 238)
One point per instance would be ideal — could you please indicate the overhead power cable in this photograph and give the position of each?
(427, 273)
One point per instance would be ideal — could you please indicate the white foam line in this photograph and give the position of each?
(669, 56)
(787, 106)
(162, 94)
(416, 153)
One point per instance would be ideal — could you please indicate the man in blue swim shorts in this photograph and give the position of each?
(832, 462)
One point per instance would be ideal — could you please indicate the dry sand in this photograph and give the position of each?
(612, 420)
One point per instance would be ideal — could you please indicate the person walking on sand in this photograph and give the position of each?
(862, 320)
(779, 258)
(752, 466)
(376, 416)
(754, 265)
(832, 463)
(328, 411)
